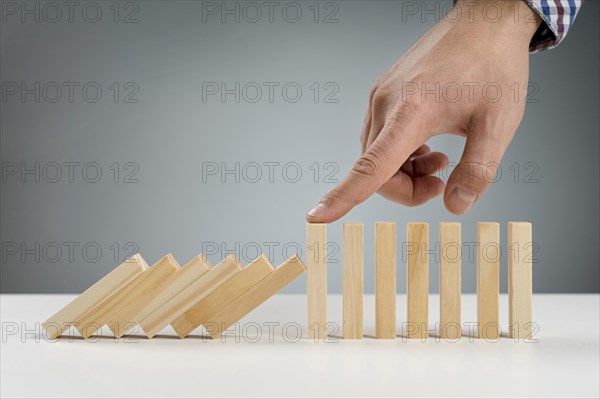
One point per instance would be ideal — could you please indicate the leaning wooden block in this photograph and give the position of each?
(352, 287)
(417, 280)
(520, 282)
(488, 280)
(316, 285)
(255, 296)
(127, 297)
(94, 296)
(222, 296)
(191, 295)
(166, 289)
(385, 280)
(450, 280)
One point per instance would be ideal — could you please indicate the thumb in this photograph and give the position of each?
(376, 166)
(476, 170)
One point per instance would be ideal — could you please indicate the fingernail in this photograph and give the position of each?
(461, 200)
(317, 210)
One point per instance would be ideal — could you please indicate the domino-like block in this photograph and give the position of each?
(94, 296)
(417, 280)
(127, 296)
(450, 280)
(222, 296)
(488, 280)
(255, 296)
(316, 287)
(385, 280)
(166, 289)
(520, 279)
(352, 284)
(190, 296)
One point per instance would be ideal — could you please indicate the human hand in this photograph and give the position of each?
(463, 77)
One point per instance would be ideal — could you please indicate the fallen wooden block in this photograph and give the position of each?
(254, 297)
(127, 296)
(385, 280)
(488, 280)
(417, 280)
(316, 286)
(222, 296)
(151, 300)
(450, 280)
(352, 276)
(189, 296)
(520, 279)
(94, 296)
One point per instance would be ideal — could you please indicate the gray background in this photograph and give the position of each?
(170, 132)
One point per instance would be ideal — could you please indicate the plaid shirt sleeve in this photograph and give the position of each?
(557, 16)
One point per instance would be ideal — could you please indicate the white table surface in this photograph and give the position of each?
(564, 362)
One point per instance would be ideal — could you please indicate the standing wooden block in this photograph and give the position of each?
(189, 296)
(222, 296)
(94, 296)
(417, 280)
(254, 297)
(488, 280)
(316, 287)
(127, 296)
(450, 280)
(520, 279)
(162, 292)
(385, 280)
(352, 289)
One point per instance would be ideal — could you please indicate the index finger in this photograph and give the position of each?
(376, 166)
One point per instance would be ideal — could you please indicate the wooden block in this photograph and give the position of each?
(222, 296)
(385, 280)
(488, 280)
(316, 286)
(450, 280)
(189, 296)
(254, 297)
(520, 279)
(127, 296)
(94, 296)
(417, 280)
(352, 280)
(162, 292)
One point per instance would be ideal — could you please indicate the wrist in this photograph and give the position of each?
(512, 19)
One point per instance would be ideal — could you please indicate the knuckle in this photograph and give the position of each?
(373, 90)
(379, 99)
(407, 115)
(367, 165)
(409, 107)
